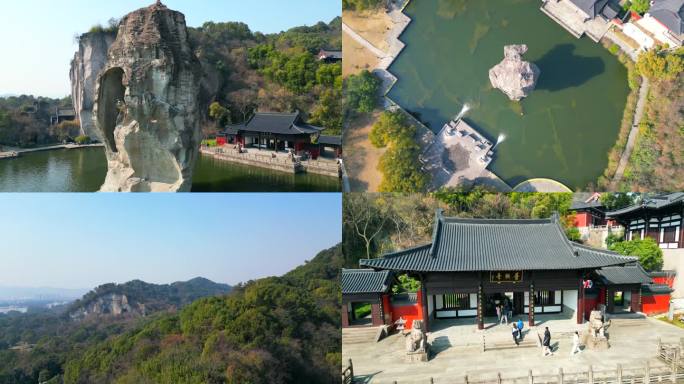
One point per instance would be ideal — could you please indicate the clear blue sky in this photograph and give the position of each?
(38, 35)
(84, 240)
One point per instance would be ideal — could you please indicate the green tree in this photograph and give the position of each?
(389, 126)
(647, 250)
(619, 200)
(328, 112)
(362, 92)
(640, 6)
(219, 113)
(406, 284)
(401, 168)
(659, 63)
(328, 74)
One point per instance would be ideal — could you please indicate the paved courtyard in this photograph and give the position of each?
(457, 351)
(568, 16)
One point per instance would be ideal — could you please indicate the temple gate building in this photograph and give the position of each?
(473, 264)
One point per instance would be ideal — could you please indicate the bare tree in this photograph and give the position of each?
(364, 217)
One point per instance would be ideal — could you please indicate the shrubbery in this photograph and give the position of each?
(362, 92)
(647, 250)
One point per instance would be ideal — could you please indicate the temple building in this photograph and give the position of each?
(61, 115)
(659, 218)
(281, 132)
(472, 265)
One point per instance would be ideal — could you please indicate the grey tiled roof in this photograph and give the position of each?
(278, 123)
(630, 274)
(365, 281)
(670, 13)
(590, 7)
(655, 289)
(651, 203)
(497, 245)
(330, 140)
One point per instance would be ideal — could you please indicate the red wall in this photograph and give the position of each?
(408, 312)
(655, 304)
(582, 219)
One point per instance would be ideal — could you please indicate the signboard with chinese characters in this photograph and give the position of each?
(505, 276)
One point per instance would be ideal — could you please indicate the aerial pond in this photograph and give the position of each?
(563, 130)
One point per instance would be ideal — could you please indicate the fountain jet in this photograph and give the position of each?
(500, 140)
(464, 110)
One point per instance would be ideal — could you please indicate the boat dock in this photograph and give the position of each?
(460, 155)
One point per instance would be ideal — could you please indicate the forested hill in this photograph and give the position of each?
(247, 71)
(139, 297)
(273, 330)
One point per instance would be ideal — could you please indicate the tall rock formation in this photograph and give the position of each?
(147, 107)
(85, 67)
(515, 77)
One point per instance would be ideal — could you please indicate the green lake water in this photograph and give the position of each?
(84, 170)
(570, 121)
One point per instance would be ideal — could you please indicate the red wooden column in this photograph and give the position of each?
(530, 314)
(345, 315)
(424, 303)
(636, 300)
(580, 302)
(480, 307)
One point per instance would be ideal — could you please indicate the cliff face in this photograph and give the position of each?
(147, 104)
(88, 61)
(111, 304)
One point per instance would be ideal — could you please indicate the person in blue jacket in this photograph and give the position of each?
(520, 329)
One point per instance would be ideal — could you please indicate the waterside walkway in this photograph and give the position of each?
(279, 161)
(11, 153)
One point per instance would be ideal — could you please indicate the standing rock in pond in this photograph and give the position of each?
(147, 105)
(515, 77)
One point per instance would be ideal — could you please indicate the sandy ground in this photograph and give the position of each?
(372, 25)
(356, 57)
(361, 158)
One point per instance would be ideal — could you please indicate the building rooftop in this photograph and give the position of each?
(365, 281)
(497, 245)
(670, 13)
(325, 54)
(591, 7)
(629, 274)
(277, 123)
(655, 289)
(656, 202)
(585, 200)
(330, 140)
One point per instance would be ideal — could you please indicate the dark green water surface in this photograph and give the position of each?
(570, 121)
(84, 170)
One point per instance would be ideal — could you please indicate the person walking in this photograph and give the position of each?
(546, 342)
(575, 344)
(504, 316)
(520, 329)
(509, 310)
(515, 331)
(498, 313)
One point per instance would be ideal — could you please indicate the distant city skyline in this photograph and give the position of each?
(80, 241)
(39, 35)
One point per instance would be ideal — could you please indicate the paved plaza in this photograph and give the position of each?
(457, 351)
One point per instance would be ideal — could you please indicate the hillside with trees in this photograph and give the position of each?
(247, 71)
(25, 121)
(375, 224)
(273, 330)
(657, 157)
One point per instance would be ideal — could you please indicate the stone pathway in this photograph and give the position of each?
(633, 133)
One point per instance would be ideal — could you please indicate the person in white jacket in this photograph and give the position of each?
(575, 344)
